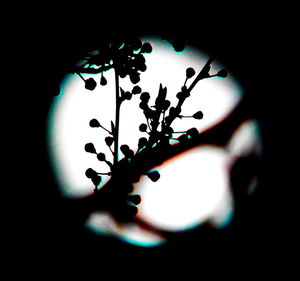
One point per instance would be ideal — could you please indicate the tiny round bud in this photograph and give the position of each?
(90, 173)
(90, 84)
(135, 199)
(103, 81)
(127, 95)
(180, 95)
(193, 132)
(145, 96)
(134, 77)
(109, 141)
(101, 156)
(222, 73)
(183, 88)
(89, 147)
(124, 148)
(136, 90)
(143, 127)
(154, 176)
(94, 123)
(96, 179)
(146, 48)
(190, 72)
(142, 142)
(198, 115)
(136, 44)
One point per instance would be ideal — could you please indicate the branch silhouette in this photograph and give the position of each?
(126, 58)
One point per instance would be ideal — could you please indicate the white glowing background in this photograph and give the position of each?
(194, 186)
(188, 191)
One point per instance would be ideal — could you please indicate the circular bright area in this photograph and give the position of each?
(194, 186)
(191, 188)
(72, 110)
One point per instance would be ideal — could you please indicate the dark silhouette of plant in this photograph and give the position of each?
(126, 58)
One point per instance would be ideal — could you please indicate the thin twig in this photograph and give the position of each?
(105, 174)
(105, 129)
(202, 74)
(111, 150)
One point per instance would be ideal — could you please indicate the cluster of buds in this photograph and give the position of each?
(125, 56)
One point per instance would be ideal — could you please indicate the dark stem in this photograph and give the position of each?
(106, 129)
(202, 74)
(117, 120)
(109, 164)
(111, 151)
(79, 74)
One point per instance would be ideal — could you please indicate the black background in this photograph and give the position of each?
(48, 234)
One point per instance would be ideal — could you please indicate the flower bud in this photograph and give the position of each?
(190, 72)
(154, 176)
(143, 127)
(146, 48)
(135, 199)
(90, 173)
(109, 141)
(90, 84)
(101, 156)
(89, 147)
(136, 90)
(142, 142)
(222, 73)
(103, 81)
(94, 123)
(198, 115)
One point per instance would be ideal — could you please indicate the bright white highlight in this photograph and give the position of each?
(190, 189)
(195, 187)
(69, 131)
(103, 223)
